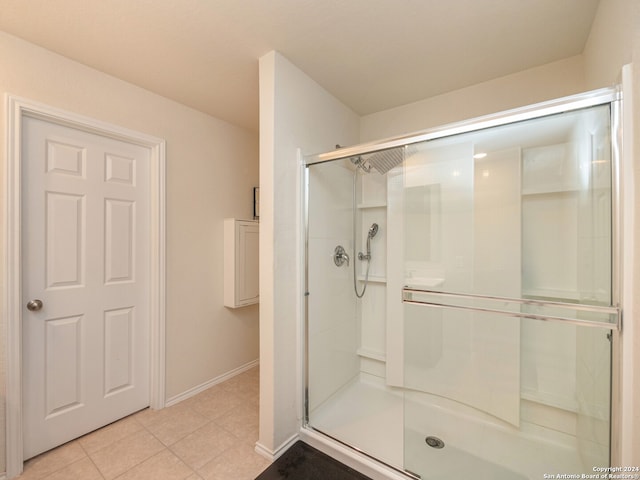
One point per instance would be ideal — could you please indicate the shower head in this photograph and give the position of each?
(385, 160)
(373, 230)
(359, 163)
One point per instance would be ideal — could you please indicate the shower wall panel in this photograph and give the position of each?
(371, 206)
(333, 330)
(497, 224)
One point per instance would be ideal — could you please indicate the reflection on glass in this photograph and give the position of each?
(422, 216)
(524, 217)
(529, 216)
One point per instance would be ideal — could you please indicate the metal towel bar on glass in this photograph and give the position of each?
(591, 315)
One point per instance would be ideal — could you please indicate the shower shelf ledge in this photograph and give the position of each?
(372, 354)
(550, 190)
(373, 279)
(423, 282)
(566, 296)
(372, 205)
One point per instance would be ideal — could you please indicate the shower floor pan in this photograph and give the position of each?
(369, 416)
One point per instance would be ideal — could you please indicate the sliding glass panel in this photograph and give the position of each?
(332, 328)
(467, 415)
(508, 299)
(522, 210)
(347, 396)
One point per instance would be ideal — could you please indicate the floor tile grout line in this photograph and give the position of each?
(90, 459)
(240, 389)
(119, 440)
(59, 469)
(176, 454)
(197, 470)
(149, 458)
(171, 451)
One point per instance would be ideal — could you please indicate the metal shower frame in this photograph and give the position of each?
(605, 96)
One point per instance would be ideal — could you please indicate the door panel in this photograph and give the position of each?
(86, 256)
(119, 240)
(118, 352)
(64, 239)
(63, 367)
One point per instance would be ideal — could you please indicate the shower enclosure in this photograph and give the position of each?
(474, 336)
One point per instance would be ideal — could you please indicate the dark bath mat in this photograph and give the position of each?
(303, 462)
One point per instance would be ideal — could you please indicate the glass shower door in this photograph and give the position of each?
(509, 301)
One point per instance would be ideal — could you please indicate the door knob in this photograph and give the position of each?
(34, 305)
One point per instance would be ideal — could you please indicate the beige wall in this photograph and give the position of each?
(295, 113)
(613, 42)
(610, 43)
(554, 80)
(212, 167)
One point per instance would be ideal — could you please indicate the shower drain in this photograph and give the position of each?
(434, 442)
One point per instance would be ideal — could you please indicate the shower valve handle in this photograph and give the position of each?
(340, 256)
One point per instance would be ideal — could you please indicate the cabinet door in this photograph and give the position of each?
(247, 284)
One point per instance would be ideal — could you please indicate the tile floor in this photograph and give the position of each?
(210, 436)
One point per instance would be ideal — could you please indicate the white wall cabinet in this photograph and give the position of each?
(241, 285)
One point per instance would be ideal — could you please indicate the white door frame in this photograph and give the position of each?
(17, 108)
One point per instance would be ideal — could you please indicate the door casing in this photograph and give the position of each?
(16, 109)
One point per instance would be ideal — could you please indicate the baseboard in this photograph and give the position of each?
(206, 385)
(272, 455)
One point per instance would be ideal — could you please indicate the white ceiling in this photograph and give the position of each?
(371, 54)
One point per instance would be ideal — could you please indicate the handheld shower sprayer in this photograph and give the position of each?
(373, 230)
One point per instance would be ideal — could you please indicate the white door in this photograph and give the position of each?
(85, 231)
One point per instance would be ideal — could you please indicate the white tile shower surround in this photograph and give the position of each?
(369, 415)
(210, 436)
